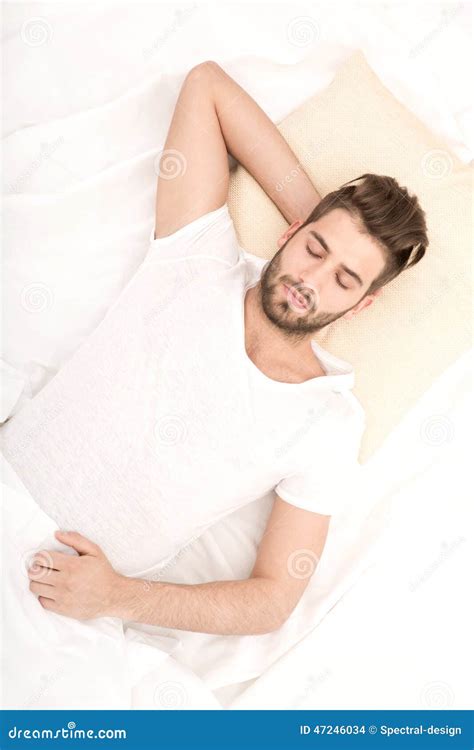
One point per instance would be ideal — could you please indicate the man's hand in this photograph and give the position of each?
(79, 586)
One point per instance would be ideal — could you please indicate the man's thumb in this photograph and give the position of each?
(80, 543)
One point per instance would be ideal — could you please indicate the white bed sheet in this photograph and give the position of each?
(105, 115)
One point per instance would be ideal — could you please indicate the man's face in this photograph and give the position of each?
(316, 278)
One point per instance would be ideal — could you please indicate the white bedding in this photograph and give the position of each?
(80, 136)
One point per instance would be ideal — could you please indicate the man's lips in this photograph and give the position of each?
(296, 299)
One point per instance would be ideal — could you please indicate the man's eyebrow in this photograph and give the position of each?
(323, 242)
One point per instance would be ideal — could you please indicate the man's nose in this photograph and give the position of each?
(315, 279)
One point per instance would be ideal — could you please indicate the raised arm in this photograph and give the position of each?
(255, 141)
(213, 116)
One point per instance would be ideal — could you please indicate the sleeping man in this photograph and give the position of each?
(203, 388)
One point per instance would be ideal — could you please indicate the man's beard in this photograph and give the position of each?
(296, 325)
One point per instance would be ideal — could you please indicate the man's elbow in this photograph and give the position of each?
(275, 623)
(207, 71)
(279, 608)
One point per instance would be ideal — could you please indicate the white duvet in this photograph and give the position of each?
(79, 183)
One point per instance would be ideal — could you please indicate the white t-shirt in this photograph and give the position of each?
(160, 423)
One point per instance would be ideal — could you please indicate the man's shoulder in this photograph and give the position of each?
(254, 265)
(210, 237)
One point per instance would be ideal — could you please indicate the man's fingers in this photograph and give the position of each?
(48, 604)
(43, 589)
(44, 575)
(50, 559)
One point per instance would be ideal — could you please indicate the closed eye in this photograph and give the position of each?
(315, 255)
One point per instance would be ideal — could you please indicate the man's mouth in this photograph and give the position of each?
(295, 298)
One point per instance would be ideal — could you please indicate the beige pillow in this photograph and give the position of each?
(421, 322)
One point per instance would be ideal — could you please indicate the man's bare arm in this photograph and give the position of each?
(287, 557)
(255, 142)
(250, 606)
(214, 116)
(86, 585)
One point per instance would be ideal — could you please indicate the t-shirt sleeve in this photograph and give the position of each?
(210, 236)
(332, 476)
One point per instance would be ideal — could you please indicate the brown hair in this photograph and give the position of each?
(386, 212)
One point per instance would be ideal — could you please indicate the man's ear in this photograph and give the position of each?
(362, 304)
(289, 232)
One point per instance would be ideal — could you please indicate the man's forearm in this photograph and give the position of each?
(255, 141)
(243, 607)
